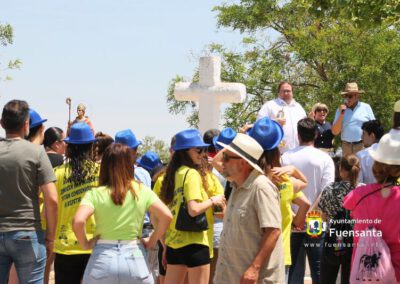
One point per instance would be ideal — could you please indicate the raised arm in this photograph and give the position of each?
(337, 124)
(297, 177)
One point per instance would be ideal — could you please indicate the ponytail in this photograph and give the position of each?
(351, 165)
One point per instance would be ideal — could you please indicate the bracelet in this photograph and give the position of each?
(212, 201)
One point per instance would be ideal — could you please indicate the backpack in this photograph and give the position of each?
(372, 260)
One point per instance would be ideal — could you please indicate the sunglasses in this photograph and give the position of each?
(321, 109)
(226, 157)
(200, 150)
(349, 96)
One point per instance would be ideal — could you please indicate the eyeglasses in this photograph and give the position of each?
(349, 96)
(200, 150)
(321, 109)
(226, 157)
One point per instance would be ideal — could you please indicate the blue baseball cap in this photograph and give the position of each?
(268, 133)
(128, 138)
(149, 160)
(226, 136)
(189, 138)
(80, 133)
(35, 119)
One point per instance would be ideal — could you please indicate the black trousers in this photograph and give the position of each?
(330, 265)
(69, 269)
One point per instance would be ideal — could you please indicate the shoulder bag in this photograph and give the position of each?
(187, 223)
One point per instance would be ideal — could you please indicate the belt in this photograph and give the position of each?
(353, 143)
(118, 242)
(327, 149)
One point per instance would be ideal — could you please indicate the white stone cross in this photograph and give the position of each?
(210, 92)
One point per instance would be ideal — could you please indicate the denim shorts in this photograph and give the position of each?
(218, 226)
(26, 249)
(118, 263)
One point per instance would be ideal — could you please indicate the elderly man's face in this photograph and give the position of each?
(285, 92)
(231, 165)
(351, 99)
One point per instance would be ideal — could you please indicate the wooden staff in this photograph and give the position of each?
(68, 102)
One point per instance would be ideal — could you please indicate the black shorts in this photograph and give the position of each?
(190, 256)
(70, 268)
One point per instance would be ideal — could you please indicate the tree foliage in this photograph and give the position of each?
(6, 38)
(362, 12)
(318, 53)
(158, 146)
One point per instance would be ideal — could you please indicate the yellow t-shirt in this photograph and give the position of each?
(41, 208)
(69, 198)
(287, 194)
(192, 190)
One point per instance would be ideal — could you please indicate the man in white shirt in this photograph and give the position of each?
(319, 170)
(287, 112)
(372, 133)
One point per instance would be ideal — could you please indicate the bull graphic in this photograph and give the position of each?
(368, 265)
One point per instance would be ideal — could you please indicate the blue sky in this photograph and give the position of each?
(116, 57)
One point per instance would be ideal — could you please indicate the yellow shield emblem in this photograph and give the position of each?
(314, 224)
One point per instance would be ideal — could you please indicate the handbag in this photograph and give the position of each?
(187, 223)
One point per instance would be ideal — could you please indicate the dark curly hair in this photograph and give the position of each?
(79, 160)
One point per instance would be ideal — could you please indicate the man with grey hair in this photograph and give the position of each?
(251, 248)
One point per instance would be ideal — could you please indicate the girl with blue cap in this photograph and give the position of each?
(187, 252)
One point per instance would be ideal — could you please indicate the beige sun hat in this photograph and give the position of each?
(352, 87)
(247, 148)
(397, 106)
(388, 150)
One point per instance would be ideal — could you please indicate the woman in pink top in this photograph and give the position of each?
(381, 206)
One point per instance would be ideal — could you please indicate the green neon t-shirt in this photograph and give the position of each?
(119, 222)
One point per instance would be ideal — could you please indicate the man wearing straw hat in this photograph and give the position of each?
(251, 249)
(349, 118)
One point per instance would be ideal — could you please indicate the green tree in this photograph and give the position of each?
(361, 12)
(150, 143)
(318, 54)
(6, 38)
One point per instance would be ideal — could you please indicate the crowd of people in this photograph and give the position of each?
(245, 206)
